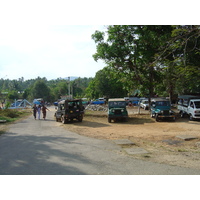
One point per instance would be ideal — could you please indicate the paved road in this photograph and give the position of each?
(38, 147)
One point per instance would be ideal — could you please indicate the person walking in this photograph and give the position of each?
(39, 111)
(34, 111)
(44, 111)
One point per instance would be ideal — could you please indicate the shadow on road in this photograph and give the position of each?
(38, 155)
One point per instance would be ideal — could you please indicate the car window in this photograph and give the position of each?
(117, 103)
(162, 103)
(191, 104)
(197, 104)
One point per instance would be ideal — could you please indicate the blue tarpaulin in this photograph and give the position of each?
(36, 102)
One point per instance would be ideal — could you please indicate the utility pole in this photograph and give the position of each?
(72, 90)
(69, 85)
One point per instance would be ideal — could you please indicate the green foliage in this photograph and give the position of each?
(106, 84)
(7, 105)
(8, 113)
(12, 95)
(60, 89)
(156, 59)
(11, 115)
(41, 88)
(132, 49)
(91, 90)
(98, 36)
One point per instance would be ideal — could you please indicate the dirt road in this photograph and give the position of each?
(159, 138)
(47, 147)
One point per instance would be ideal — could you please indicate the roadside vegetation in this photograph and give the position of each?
(11, 115)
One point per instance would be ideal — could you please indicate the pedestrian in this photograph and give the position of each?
(39, 111)
(34, 111)
(44, 111)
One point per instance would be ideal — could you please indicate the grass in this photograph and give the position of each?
(182, 150)
(13, 115)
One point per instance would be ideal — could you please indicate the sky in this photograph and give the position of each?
(49, 51)
(52, 39)
(46, 39)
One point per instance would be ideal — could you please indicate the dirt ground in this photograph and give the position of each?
(158, 138)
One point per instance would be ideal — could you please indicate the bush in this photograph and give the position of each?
(10, 113)
(8, 104)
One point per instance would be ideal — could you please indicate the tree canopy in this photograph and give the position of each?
(106, 84)
(156, 57)
(50, 91)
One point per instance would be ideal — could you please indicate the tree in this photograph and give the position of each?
(79, 86)
(187, 53)
(13, 95)
(40, 90)
(132, 50)
(106, 84)
(90, 91)
(61, 89)
(180, 55)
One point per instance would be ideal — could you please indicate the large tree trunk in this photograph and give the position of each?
(151, 84)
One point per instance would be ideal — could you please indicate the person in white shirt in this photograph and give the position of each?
(39, 111)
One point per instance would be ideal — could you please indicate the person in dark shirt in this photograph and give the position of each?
(34, 111)
(44, 111)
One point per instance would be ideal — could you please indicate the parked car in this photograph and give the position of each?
(133, 100)
(161, 109)
(189, 105)
(117, 110)
(68, 110)
(144, 104)
(98, 102)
